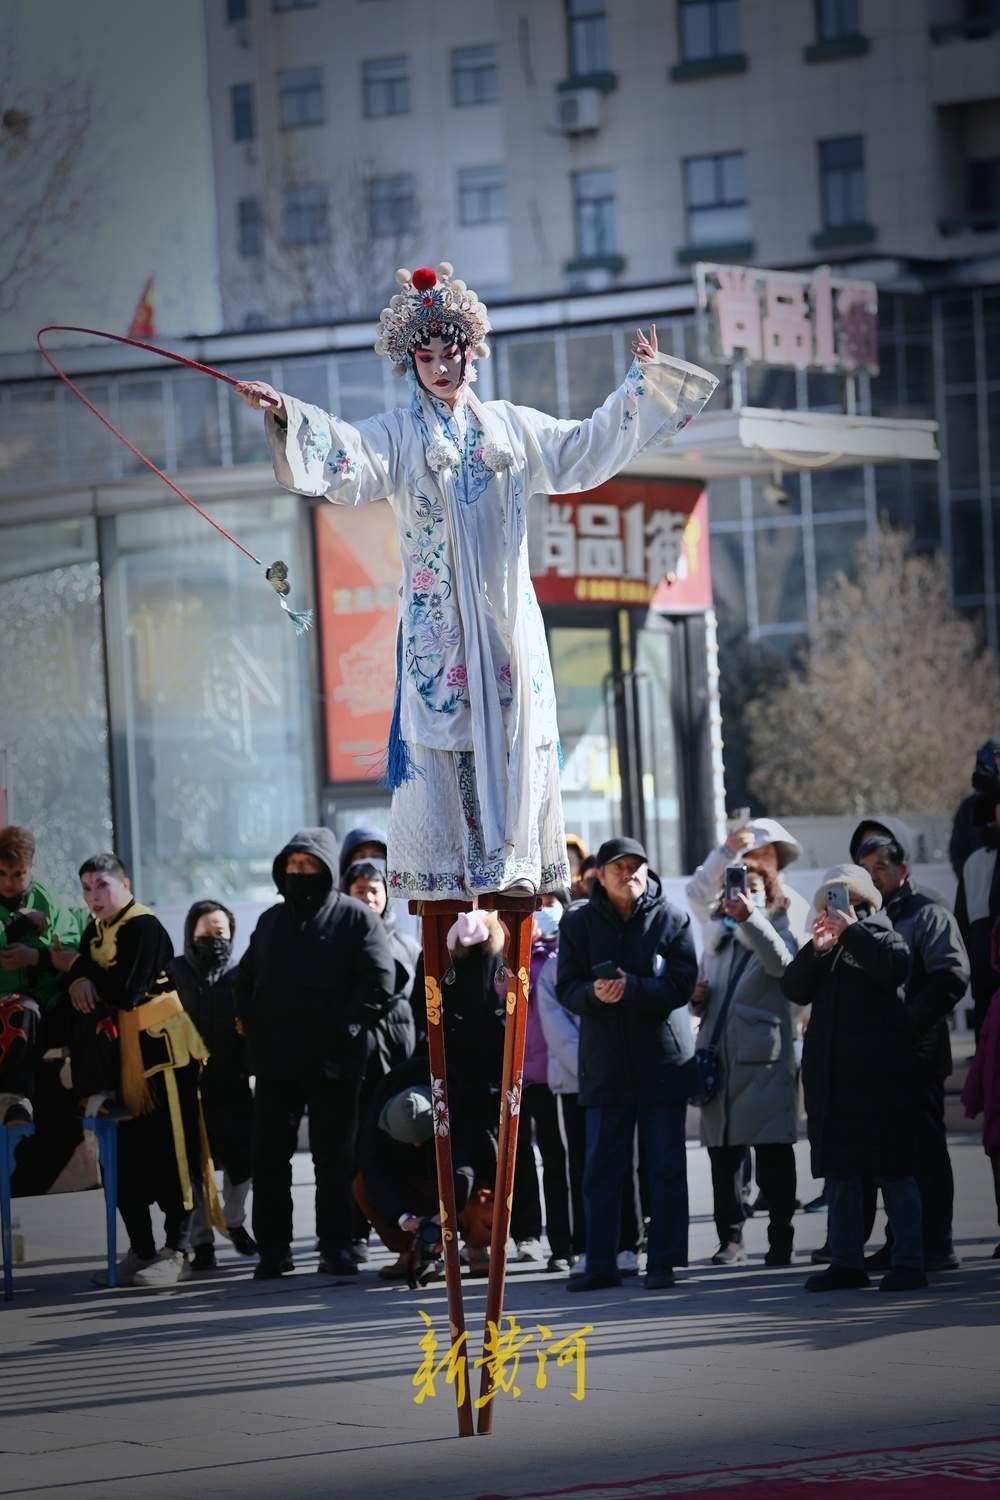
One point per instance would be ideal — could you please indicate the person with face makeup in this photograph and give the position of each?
(137, 1053)
(205, 976)
(472, 756)
(318, 975)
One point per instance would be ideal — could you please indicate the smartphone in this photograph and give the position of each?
(838, 898)
(606, 970)
(736, 881)
(738, 818)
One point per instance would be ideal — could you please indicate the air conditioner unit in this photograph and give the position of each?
(578, 110)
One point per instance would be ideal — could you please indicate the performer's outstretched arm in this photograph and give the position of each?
(659, 395)
(315, 453)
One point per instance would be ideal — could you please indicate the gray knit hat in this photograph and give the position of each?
(409, 1116)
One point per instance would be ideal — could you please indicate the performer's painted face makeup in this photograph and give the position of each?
(105, 894)
(440, 368)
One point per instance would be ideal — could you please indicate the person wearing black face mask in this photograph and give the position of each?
(319, 972)
(205, 977)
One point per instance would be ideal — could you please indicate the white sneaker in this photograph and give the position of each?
(128, 1268)
(628, 1263)
(529, 1250)
(169, 1267)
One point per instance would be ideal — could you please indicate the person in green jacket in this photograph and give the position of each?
(33, 925)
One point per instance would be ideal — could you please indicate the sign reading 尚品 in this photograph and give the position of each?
(816, 321)
(629, 541)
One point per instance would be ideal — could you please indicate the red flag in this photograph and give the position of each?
(143, 325)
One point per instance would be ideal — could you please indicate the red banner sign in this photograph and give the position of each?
(630, 541)
(358, 565)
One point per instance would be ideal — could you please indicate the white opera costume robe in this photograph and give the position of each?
(473, 756)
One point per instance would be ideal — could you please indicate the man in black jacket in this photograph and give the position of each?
(939, 974)
(317, 973)
(635, 1037)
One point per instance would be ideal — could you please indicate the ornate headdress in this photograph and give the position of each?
(429, 304)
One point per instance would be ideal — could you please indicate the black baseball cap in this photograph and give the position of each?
(613, 849)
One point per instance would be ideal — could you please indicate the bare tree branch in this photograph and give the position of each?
(350, 272)
(42, 184)
(889, 704)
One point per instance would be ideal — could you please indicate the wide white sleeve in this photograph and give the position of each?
(564, 457)
(318, 454)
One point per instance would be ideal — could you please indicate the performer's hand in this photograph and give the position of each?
(645, 348)
(18, 956)
(262, 397)
(62, 958)
(83, 996)
(609, 991)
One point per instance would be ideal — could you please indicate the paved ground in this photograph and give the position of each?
(735, 1383)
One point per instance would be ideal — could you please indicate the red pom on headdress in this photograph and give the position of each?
(424, 278)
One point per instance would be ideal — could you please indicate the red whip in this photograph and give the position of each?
(277, 573)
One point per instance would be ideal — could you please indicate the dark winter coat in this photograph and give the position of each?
(393, 1038)
(640, 1045)
(309, 987)
(224, 1084)
(858, 1056)
(939, 964)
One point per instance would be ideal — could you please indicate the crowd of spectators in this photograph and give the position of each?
(835, 1011)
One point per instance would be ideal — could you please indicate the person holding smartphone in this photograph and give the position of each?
(627, 968)
(739, 1000)
(857, 1072)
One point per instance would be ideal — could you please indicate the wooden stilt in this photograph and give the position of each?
(436, 918)
(517, 911)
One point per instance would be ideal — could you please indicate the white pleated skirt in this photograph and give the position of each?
(435, 840)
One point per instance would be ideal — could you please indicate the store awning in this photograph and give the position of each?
(758, 440)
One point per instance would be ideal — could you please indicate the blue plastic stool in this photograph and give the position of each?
(106, 1131)
(11, 1137)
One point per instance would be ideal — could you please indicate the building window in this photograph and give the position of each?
(587, 26)
(250, 226)
(237, 10)
(391, 205)
(842, 181)
(709, 28)
(300, 97)
(594, 213)
(983, 191)
(474, 75)
(241, 95)
(307, 215)
(481, 195)
(716, 194)
(294, 4)
(836, 19)
(386, 86)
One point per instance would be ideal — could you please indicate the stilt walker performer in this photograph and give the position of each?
(473, 756)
